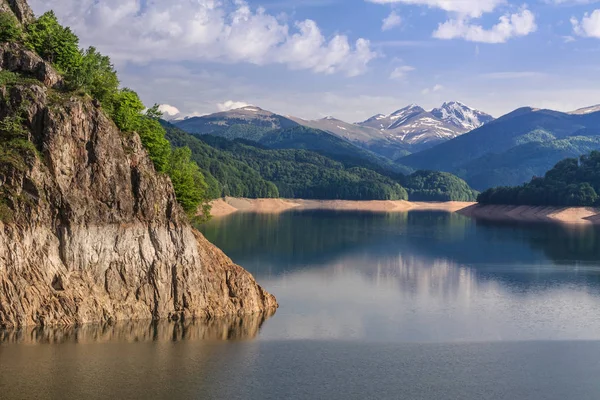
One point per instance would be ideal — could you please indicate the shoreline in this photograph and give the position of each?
(230, 205)
(564, 215)
(561, 215)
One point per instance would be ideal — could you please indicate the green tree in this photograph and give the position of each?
(572, 182)
(188, 181)
(97, 76)
(55, 43)
(127, 109)
(10, 30)
(153, 138)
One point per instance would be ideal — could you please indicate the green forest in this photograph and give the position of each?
(437, 186)
(572, 182)
(243, 168)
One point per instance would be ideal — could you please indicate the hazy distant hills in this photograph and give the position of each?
(512, 149)
(586, 110)
(250, 116)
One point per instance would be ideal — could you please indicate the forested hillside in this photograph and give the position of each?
(437, 186)
(245, 169)
(276, 132)
(513, 148)
(572, 182)
(225, 175)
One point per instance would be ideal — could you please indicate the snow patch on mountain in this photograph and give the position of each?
(461, 116)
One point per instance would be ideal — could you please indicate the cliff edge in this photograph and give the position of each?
(89, 232)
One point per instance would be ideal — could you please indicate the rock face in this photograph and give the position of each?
(19, 7)
(94, 234)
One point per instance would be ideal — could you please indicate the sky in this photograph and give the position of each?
(350, 59)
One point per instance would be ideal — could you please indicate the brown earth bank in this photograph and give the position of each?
(229, 205)
(566, 215)
(89, 231)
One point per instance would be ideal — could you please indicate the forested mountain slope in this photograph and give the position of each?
(513, 148)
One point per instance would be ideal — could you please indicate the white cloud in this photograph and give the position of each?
(231, 105)
(401, 72)
(228, 31)
(391, 21)
(509, 26)
(570, 2)
(434, 89)
(470, 8)
(168, 109)
(589, 26)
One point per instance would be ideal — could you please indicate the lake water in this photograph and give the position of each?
(422, 305)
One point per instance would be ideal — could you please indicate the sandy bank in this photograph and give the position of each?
(565, 215)
(230, 205)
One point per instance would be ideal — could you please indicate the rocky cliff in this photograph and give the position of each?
(89, 232)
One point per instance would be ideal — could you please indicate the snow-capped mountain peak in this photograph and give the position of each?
(402, 116)
(461, 116)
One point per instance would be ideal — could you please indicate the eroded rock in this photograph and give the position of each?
(97, 235)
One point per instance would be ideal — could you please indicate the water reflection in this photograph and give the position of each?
(412, 299)
(274, 244)
(419, 276)
(231, 328)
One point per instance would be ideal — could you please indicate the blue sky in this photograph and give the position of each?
(346, 58)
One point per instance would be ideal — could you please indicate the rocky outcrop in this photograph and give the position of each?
(91, 233)
(20, 8)
(16, 58)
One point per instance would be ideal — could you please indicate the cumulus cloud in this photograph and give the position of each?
(470, 8)
(169, 110)
(228, 31)
(231, 105)
(401, 72)
(509, 26)
(589, 26)
(391, 21)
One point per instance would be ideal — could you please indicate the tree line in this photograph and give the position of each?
(572, 182)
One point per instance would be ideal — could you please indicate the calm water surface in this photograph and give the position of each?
(423, 305)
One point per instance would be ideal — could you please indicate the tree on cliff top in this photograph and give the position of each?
(93, 73)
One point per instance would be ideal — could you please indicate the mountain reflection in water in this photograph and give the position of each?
(418, 276)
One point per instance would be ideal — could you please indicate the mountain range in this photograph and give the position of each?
(514, 148)
(484, 151)
(398, 134)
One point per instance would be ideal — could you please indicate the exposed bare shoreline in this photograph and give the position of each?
(564, 215)
(571, 215)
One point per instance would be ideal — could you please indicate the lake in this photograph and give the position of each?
(420, 305)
